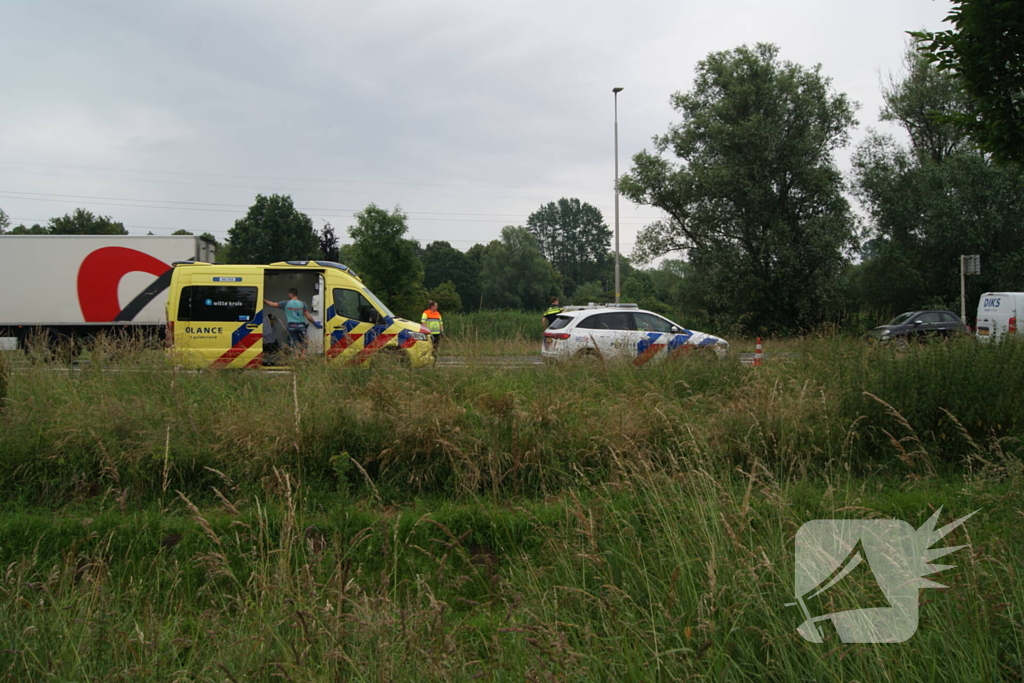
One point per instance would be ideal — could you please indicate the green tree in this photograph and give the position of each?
(514, 272)
(83, 222)
(985, 49)
(346, 255)
(923, 101)
(591, 292)
(927, 208)
(446, 296)
(330, 247)
(386, 260)
(206, 235)
(474, 301)
(756, 199)
(443, 262)
(273, 230)
(573, 237)
(669, 279)
(34, 230)
(5, 221)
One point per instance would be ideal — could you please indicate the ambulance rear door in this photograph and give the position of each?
(219, 318)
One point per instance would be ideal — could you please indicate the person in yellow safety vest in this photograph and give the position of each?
(432, 321)
(553, 310)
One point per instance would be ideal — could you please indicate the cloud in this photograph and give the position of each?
(477, 111)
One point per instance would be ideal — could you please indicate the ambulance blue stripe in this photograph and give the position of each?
(372, 334)
(330, 312)
(243, 329)
(348, 326)
(376, 331)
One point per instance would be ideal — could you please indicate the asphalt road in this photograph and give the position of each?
(523, 361)
(442, 362)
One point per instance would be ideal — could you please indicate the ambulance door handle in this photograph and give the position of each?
(252, 326)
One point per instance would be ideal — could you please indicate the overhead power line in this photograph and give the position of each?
(291, 179)
(127, 202)
(220, 231)
(276, 189)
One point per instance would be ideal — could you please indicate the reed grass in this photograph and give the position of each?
(582, 522)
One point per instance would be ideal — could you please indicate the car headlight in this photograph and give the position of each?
(419, 336)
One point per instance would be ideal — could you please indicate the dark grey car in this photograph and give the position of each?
(918, 325)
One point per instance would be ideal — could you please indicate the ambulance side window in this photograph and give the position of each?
(351, 304)
(204, 303)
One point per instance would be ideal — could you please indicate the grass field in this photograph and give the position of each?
(579, 522)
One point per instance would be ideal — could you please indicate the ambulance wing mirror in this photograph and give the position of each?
(674, 330)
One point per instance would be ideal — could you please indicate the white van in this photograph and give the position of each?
(997, 314)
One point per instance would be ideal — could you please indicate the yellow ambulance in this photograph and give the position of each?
(217, 317)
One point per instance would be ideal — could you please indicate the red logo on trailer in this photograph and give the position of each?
(101, 273)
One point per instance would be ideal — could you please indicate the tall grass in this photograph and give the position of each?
(5, 378)
(578, 522)
(495, 325)
(678, 569)
(138, 429)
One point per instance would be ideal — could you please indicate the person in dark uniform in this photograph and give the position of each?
(553, 310)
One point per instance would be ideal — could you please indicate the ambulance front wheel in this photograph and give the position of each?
(391, 358)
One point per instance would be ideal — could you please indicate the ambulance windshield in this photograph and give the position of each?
(378, 303)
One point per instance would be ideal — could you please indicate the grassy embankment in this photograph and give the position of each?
(557, 523)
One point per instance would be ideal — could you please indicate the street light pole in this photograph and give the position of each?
(618, 289)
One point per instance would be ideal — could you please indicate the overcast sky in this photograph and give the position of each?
(467, 114)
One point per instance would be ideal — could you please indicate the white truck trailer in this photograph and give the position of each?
(78, 285)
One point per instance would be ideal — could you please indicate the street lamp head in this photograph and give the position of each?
(616, 90)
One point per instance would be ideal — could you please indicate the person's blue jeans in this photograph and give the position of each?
(296, 336)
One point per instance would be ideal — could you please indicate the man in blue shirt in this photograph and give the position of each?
(296, 313)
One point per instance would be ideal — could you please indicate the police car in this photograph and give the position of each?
(623, 331)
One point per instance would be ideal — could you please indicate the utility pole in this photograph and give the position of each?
(618, 288)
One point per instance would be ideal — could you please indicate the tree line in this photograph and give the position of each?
(563, 250)
(759, 234)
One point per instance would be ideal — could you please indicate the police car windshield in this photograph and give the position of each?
(378, 303)
(560, 322)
